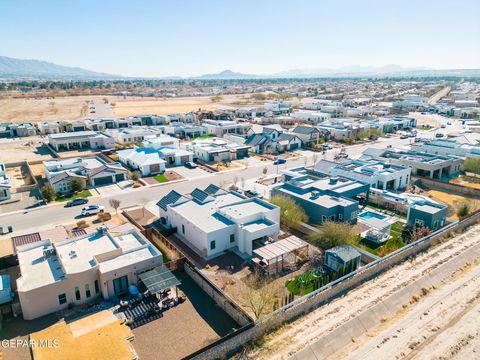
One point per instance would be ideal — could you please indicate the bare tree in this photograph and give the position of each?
(258, 295)
(235, 181)
(143, 202)
(315, 158)
(242, 182)
(115, 204)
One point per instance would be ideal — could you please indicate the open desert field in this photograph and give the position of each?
(76, 107)
(163, 106)
(41, 109)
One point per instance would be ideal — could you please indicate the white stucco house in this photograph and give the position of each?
(212, 221)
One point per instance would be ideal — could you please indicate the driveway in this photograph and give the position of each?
(190, 173)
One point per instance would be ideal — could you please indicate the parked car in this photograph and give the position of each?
(279, 161)
(404, 136)
(449, 123)
(92, 210)
(190, 165)
(327, 146)
(76, 202)
(443, 126)
(439, 135)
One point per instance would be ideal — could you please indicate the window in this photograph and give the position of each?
(96, 287)
(232, 238)
(324, 218)
(331, 218)
(340, 217)
(183, 229)
(419, 223)
(212, 244)
(62, 298)
(87, 291)
(77, 293)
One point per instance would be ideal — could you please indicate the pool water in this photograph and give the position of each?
(370, 214)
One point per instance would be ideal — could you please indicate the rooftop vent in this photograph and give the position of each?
(315, 194)
(72, 254)
(333, 180)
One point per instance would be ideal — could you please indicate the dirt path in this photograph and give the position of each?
(294, 337)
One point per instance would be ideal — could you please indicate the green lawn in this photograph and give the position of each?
(394, 243)
(201, 137)
(160, 178)
(82, 194)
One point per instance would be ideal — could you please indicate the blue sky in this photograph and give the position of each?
(188, 37)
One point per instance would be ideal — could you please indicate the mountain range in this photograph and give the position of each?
(12, 68)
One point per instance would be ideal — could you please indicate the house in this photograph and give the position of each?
(378, 174)
(92, 171)
(48, 127)
(217, 150)
(342, 257)
(311, 116)
(146, 160)
(56, 275)
(5, 187)
(135, 134)
(161, 141)
(80, 140)
(421, 164)
(185, 131)
(219, 128)
(324, 198)
(278, 107)
(447, 147)
(272, 141)
(17, 129)
(411, 103)
(426, 213)
(212, 221)
(100, 124)
(308, 134)
(340, 129)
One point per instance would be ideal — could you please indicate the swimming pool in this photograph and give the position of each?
(370, 214)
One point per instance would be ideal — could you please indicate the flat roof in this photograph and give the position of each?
(243, 209)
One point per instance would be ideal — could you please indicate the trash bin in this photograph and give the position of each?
(10, 228)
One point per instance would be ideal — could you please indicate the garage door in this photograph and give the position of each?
(119, 177)
(294, 146)
(102, 181)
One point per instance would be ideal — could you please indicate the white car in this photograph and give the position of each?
(92, 209)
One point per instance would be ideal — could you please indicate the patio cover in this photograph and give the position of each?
(271, 252)
(159, 279)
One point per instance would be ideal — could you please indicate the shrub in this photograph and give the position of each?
(104, 216)
(82, 224)
(48, 193)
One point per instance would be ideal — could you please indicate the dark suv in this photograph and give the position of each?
(76, 202)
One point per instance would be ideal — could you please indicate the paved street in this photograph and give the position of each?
(51, 215)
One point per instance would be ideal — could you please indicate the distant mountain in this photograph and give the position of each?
(12, 68)
(346, 71)
(227, 75)
(353, 70)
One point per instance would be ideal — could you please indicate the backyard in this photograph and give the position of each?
(394, 243)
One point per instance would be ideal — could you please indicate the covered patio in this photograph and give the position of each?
(275, 257)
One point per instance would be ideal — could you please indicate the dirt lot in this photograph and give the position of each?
(447, 311)
(75, 107)
(13, 150)
(34, 110)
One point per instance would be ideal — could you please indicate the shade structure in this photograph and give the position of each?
(159, 279)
